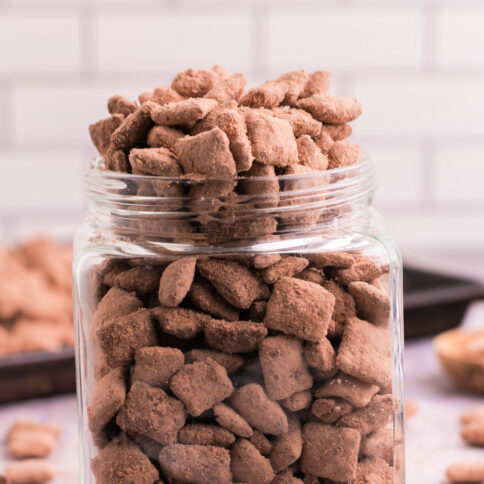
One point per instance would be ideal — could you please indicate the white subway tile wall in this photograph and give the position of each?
(416, 65)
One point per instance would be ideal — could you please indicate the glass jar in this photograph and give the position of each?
(238, 335)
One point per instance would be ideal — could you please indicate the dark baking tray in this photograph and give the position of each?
(435, 302)
(432, 303)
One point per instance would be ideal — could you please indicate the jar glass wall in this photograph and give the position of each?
(238, 338)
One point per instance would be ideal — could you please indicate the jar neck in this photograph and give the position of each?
(229, 212)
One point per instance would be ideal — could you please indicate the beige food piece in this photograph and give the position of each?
(310, 155)
(262, 261)
(338, 132)
(330, 452)
(249, 465)
(221, 71)
(370, 418)
(116, 160)
(156, 365)
(102, 130)
(343, 153)
(466, 471)
(362, 269)
(229, 88)
(267, 95)
(344, 306)
(205, 434)
(295, 81)
(312, 275)
(186, 112)
(299, 308)
(379, 444)
(329, 410)
(317, 83)
(254, 405)
(142, 280)
(120, 105)
(180, 322)
(206, 154)
(298, 401)
(120, 338)
(272, 139)
(232, 123)
(161, 96)
(301, 122)
(234, 282)
(372, 304)
(355, 391)
(176, 281)
(228, 418)
(324, 142)
(286, 478)
(287, 267)
(476, 413)
(374, 470)
(266, 190)
(154, 161)
(150, 412)
(287, 447)
(194, 82)
(206, 298)
(107, 398)
(261, 443)
(31, 439)
(197, 464)
(331, 109)
(122, 461)
(473, 433)
(331, 259)
(163, 137)
(133, 130)
(201, 385)
(283, 366)
(321, 355)
(230, 362)
(365, 352)
(29, 471)
(32, 425)
(234, 336)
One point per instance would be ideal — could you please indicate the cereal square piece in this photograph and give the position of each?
(262, 261)
(102, 130)
(207, 154)
(228, 89)
(295, 81)
(338, 132)
(331, 259)
(194, 82)
(362, 269)
(197, 464)
(142, 280)
(107, 398)
(310, 155)
(358, 393)
(298, 401)
(287, 267)
(268, 95)
(31, 471)
(231, 363)
(299, 308)
(232, 123)
(331, 109)
(324, 142)
(122, 461)
(234, 336)
(235, 282)
(373, 305)
(205, 434)
(312, 275)
(344, 303)
(120, 338)
(116, 160)
(201, 385)
(249, 465)
(180, 322)
(154, 161)
(156, 365)
(261, 443)
(330, 452)
(268, 188)
(272, 139)
(343, 153)
(370, 418)
(365, 352)
(186, 112)
(206, 298)
(329, 410)
(287, 447)
(116, 268)
(163, 137)
(379, 444)
(120, 105)
(228, 418)
(176, 281)
(133, 130)
(161, 95)
(287, 477)
(252, 402)
(317, 83)
(301, 122)
(31, 441)
(150, 412)
(321, 355)
(283, 366)
(374, 470)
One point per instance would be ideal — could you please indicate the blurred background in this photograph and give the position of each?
(417, 66)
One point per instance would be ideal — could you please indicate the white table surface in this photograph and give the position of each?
(432, 436)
